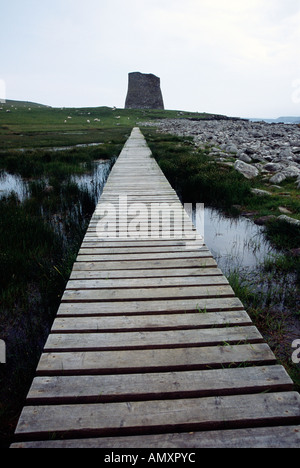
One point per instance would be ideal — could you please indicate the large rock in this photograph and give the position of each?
(261, 193)
(277, 178)
(144, 92)
(273, 167)
(246, 170)
(285, 154)
(289, 220)
(291, 171)
(245, 158)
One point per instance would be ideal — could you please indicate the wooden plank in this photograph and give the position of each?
(142, 387)
(258, 437)
(154, 360)
(141, 257)
(146, 293)
(136, 250)
(142, 233)
(151, 340)
(161, 416)
(182, 224)
(149, 322)
(150, 307)
(146, 210)
(146, 264)
(154, 273)
(116, 243)
(147, 282)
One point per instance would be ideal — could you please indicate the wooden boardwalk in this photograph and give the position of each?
(150, 347)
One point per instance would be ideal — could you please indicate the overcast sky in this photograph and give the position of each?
(232, 57)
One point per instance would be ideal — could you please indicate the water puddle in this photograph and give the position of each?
(93, 181)
(245, 257)
(235, 242)
(13, 183)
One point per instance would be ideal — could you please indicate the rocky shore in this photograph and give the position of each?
(271, 151)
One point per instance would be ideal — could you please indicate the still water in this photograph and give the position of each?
(234, 242)
(13, 183)
(93, 181)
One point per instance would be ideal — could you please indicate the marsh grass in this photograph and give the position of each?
(57, 164)
(195, 175)
(47, 127)
(37, 252)
(268, 295)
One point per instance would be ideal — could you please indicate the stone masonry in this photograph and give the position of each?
(144, 92)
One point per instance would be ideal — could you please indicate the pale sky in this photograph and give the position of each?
(233, 57)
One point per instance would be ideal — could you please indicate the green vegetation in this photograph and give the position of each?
(194, 174)
(57, 164)
(42, 126)
(272, 301)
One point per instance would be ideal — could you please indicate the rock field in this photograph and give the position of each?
(269, 150)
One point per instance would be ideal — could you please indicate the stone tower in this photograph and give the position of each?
(144, 92)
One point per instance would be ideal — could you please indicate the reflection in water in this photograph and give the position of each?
(93, 182)
(67, 212)
(13, 183)
(242, 252)
(235, 242)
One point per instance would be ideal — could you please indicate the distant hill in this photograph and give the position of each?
(286, 120)
(11, 102)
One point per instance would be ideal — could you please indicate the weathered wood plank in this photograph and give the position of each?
(142, 387)
(154, 273)
(161, 416)
(94, 295)
(146, 264)
(137, 250)
(153, 360)
(258, 437)
(147, 282)
(151, 340)
(150, 307)
(141, 257)
(117, 242)
(149, 322)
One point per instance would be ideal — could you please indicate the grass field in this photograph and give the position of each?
(28, 126)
